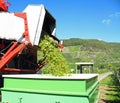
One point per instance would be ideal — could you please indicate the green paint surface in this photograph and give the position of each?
(20, 97)
(29, 90)
(73, 87)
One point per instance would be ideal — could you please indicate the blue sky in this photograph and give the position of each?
(86, 19)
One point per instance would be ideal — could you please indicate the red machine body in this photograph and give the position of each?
(18, 52)
(4, 5)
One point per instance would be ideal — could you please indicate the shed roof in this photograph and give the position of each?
(84, 63)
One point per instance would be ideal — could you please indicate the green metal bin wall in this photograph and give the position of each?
(36, 89)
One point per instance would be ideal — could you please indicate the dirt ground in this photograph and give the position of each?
(103, 94)
(111, 92)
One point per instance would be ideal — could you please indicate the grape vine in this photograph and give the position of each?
(55, 61)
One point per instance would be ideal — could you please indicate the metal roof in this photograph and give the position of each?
(84, 63)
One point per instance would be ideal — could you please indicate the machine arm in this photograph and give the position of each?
(12, 52)
(16, 48)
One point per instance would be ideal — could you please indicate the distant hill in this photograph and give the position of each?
(103, 54)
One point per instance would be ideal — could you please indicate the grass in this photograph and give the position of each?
(101, 71)
(107, 81)
(112, 92)
(74, 48)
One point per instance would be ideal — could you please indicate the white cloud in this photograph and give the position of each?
(106, 21)
(111, 17)
(99, 39)
(116, 15)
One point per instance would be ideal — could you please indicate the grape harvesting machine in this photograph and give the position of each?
(20, 34)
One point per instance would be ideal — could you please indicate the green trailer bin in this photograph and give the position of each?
(36, 88)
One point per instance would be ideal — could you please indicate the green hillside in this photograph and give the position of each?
(105, 55)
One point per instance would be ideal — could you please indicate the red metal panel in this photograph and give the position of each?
(26, 32)
(4, 5)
